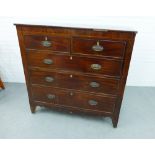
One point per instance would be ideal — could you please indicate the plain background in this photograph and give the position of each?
(74, 8)
(141, 71)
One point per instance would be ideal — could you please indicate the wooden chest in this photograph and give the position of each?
(78, 69)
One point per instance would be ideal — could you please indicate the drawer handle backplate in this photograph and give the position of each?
(96, 66)
(94, 84)
(92, 102)
(49, 79)
(97, 47)
(48, 61)
(51, 96)
(46, 43)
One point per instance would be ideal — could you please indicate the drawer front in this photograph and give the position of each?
(75, 63)
(49, 96)
(106, 48)
(73, 81)
(74, 99)
(52, 43)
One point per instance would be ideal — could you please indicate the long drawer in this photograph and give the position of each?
(48, 95)
(75, 81)
(98, 47)
(108, 67)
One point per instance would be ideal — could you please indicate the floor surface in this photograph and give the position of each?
(137, 118)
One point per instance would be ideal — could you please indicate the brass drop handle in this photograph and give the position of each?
(96, 66)
(97, 47)
(94, 84)
(49, 79)
(48, 61)
(92, 102)
(51, 96)
(46, 43)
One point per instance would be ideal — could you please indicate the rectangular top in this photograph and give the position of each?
(80, 27)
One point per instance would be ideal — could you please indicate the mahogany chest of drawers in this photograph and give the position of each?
(78, 69)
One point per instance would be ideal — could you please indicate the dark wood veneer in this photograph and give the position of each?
(71, 54)
(112, 48)
(75, 63)
(74, 81)
(1, 84)
(57, 43)
(77, 99)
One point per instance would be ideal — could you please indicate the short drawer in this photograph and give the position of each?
(98, 47)
(75, 81)
(73, 99)
(79, 64)
(52, 43)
